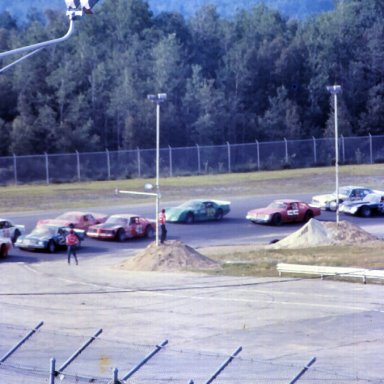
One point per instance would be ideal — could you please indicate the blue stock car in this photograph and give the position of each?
(372, 204)
(48, 238)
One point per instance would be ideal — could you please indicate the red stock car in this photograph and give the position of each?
(283, 211)
(122, 227)
(76, 219)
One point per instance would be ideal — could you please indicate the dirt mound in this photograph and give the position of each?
(319, 233)
(171, 256)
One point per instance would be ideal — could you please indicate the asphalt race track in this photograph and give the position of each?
(233, 229)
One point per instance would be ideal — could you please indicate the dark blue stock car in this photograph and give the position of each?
(47, 238)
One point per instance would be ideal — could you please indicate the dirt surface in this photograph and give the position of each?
(173, 255)
(316, 233)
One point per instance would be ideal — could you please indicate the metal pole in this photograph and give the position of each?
(46, 167)
(170, 161)
(36, 47)
(78, 165)
(138, 162)
(258, 154)
(81, 349)
(149, 356)
(301, 373)
(15, 168)
(229, 156)
(52, 371)
(336, 161)
(370, 148)
(108, 164)
(314, 150)
(157, 171)
(228, 361)
(21, 342)
(198, 159)
(286, 150)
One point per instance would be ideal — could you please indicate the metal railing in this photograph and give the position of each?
(185, 161)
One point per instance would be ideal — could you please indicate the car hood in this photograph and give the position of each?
(328, 197)
(105, 226)
(263, 211)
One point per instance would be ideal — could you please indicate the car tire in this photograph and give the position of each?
(121, 235)
(219, 215)
(15, 236)
(190, 218)
(276, 219)
(3, 251)
(51, 247)
(308, 216)
(149, 232)
(365, 211)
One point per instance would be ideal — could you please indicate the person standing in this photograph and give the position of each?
(72, 242)
(162, 220)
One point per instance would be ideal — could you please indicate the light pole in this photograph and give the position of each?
(157, 99)
(335, 90)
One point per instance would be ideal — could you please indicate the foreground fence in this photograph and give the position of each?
(182, 161)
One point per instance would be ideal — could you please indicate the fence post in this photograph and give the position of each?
(78, 165)
(314, 150)
(198, 159)
(370, 148)
(305, 369)
(52, 371)
(258, 154)
(108, 164)
(138, 162)
(286, 150)
(229, 157)
(343, 147)
(15, 168)
(46, 167)
(170, 161)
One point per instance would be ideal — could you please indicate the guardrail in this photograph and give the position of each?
(323, 271)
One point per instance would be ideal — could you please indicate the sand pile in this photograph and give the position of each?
(172, 256)
(316, 233)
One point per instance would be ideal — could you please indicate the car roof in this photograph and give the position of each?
(124, 215)
(287, 201)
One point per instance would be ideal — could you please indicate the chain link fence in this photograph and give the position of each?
(32, 363)
(185, 161)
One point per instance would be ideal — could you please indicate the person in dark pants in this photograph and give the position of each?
(72, 241)
(162, 220)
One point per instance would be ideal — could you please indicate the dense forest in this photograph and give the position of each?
(258, 75)
(227, 8)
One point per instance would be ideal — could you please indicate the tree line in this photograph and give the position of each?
(256, 75)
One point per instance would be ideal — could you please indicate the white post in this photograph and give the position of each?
(336, 161)
(157, 171)
(335, 90)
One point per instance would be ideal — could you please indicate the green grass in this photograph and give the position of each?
(16, 198)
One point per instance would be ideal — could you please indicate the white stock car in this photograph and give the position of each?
(347, 193)
(11, 230)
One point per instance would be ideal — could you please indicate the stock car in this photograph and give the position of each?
(75, 219)
(5, 246)
(121, 227)
(47, 237)
(348, 193)
(11, 230)
(283, 211)
(198, 210)
(372, 204)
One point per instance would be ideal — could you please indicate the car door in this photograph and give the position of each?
(292, 212)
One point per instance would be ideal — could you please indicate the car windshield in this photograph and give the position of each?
(42, 230)
(277, 204)
(68, 216)
(116, 220)
(190, 204)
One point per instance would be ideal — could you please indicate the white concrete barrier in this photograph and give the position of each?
(323, 271)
